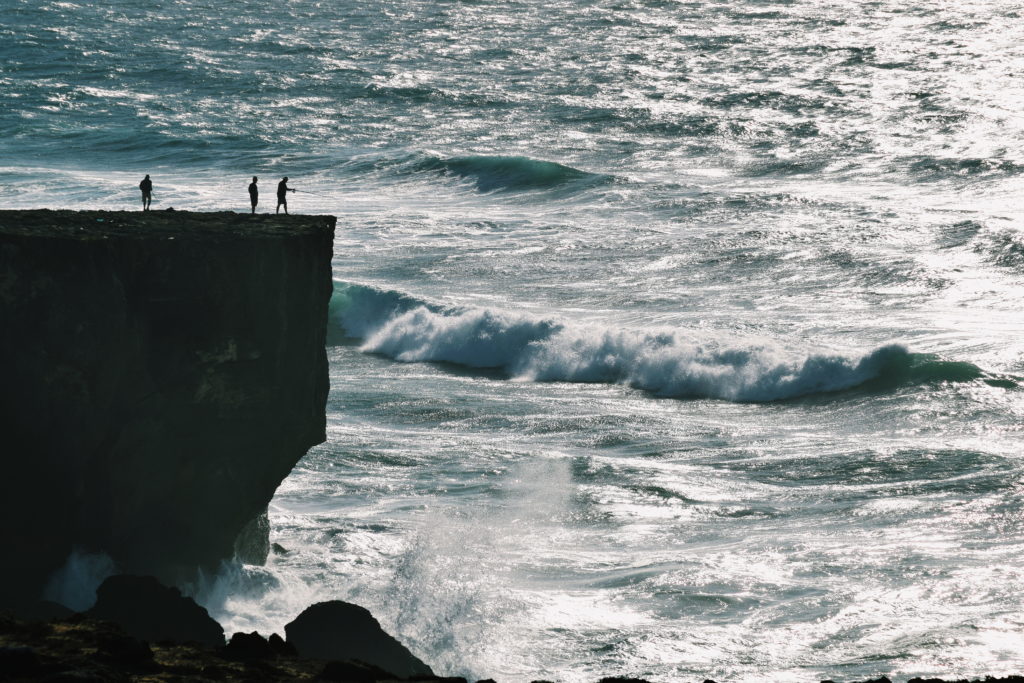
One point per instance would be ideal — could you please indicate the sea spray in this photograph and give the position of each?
(74, 585)
(449, 596)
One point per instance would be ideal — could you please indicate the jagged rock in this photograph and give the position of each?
(280, 647)
(252, 546)
(146, 609)
(162, 374)
(338, 630)
(243, 646)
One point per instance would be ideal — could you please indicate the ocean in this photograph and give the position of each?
(678, 339)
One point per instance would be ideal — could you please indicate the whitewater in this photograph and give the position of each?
(671, 339)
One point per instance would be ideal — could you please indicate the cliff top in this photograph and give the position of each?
(193, 225)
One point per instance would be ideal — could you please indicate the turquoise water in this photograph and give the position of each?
(669, 339)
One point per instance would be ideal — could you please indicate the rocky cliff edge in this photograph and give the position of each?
(160, 375)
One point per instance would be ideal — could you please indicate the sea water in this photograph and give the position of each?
(674, 339)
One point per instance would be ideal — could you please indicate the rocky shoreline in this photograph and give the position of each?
(80, 649)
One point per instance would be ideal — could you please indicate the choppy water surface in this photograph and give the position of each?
(669, 339)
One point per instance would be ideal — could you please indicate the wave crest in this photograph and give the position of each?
(670, 363)
(490, 173)
(505, 173)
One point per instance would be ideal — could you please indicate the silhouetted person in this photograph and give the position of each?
(147, 192)
(254, 193)
(282, 195)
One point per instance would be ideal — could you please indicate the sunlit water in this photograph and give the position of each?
(670, 339)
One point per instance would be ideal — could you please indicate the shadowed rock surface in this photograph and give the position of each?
(343, 631)
(162, 374)
(147, 610)
(76, 648)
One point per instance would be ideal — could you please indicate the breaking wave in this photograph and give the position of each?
(490, 173)
(671, 363)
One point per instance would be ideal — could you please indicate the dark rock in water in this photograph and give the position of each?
(339, 630)
(279, 549)
(622, 679)
(148, 610)
(161, 374)
(252, 546)
(354, 672)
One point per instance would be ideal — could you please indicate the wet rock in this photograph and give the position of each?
(146, 609)
(342, 631)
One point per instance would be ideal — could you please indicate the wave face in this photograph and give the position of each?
(505, 173)
(669, 363)
(488, 173)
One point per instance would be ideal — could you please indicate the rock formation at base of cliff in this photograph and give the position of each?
(160, 375)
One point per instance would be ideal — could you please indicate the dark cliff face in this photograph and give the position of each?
(160, 375)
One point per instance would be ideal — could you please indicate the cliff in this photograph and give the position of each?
(160, 375)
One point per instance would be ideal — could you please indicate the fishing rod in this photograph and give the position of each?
(308, 192)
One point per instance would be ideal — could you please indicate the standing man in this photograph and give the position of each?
(282, 195)
(254, 193)
(147, 192)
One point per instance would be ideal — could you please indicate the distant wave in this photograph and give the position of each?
(664, 362)
(491, 173)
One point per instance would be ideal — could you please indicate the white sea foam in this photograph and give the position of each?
(667, 362)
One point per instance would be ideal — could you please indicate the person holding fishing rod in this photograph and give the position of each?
(147, 192)
(282, 195)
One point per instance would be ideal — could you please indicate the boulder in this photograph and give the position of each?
(150, 611)
(338, 630)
